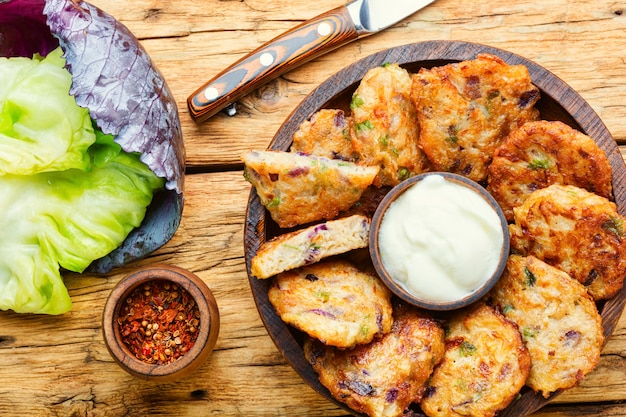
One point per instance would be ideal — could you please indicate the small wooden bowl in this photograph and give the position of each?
(207, 332)
(399, 289)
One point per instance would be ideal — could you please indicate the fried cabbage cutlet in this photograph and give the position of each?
(384, 377)
(558, 320)
(576, 231)
(298, 189)
(543, 153)
(334, 302)
(466, 109)
(485, 366)
(326, 134)
(384, 125)
(306, 246)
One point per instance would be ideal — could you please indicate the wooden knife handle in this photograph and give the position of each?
(301, 44)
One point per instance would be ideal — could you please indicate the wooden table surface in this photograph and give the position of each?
(59, 366)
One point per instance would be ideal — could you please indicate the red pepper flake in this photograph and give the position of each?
(159, 322)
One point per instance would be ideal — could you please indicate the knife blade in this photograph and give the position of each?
(305, 42)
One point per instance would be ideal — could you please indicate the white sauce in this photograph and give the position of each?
(440, 240)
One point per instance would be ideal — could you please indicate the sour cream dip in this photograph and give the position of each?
(440, 240)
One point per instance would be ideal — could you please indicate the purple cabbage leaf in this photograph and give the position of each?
(23, 29)
(127, 97)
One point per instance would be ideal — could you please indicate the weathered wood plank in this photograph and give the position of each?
(568, 38)
(593, 410)
(59, 365)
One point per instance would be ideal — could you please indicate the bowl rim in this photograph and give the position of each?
(207, 332)
(398, 289)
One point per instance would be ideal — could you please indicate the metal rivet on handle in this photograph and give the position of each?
(267, 59)
(211, 93)
(324, 29)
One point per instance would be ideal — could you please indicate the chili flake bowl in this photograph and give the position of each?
(160, 323)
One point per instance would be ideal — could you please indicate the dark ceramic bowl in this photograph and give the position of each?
(206, 333)
(401, 290)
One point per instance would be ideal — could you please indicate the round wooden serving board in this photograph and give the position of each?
(558, 102)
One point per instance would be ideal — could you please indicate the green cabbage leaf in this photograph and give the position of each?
(58, 209)
(41, 127)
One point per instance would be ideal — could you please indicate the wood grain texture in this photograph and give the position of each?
(579, 41)
(59, 366)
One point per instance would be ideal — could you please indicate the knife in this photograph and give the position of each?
(301, 44)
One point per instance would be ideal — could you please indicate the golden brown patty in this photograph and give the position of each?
(384, 377)
(576, 231)
(558, 320)
(298, 189)
(484, 367)
(384, 125)
(309, 245)
(334, 302)
(326, 134)
(543, 153)
(466, 109)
